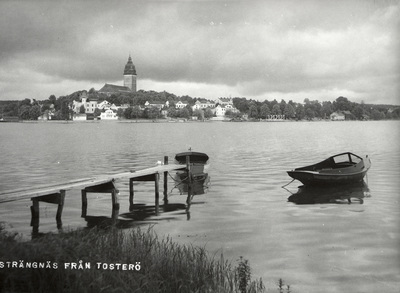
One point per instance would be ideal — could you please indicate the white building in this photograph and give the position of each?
(180, 105)
(203, 104)
(89, 105)
(337, 116)
(108, 115)
(220, 110)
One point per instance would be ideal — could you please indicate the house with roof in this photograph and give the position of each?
(203, 104)
(221, 110)
(110, 89)
(89, 104)
(108, 115)
(181, 105)
(105, 105)
(224, 101)
(337, 116)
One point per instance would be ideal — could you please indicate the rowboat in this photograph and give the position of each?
(197, 162)
(342, 168)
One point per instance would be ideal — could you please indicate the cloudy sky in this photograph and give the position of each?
(288, 50)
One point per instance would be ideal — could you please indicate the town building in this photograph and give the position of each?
(180, 105)
(203, 104)
(337, 116)
(221, 110)
(108, 115)
(224, 101)
(89, 104)
(129, 80)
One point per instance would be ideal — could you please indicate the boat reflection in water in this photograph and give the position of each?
(341, 194)
(199, 183)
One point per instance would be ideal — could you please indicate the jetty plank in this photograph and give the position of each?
(40, 190)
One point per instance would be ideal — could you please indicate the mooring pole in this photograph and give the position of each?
(84, 203)
(189, 180)
(131, 194)
(115, 204)
(165, 181)
(60, 209)
(157, 193)
(35, 214)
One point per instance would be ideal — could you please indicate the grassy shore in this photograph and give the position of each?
(112, 260)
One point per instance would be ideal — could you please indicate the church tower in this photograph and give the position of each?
(130, 75)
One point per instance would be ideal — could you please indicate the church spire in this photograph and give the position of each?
(129, 67)
(130, 75)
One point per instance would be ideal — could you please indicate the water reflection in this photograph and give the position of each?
(199, 184)
(343, 194)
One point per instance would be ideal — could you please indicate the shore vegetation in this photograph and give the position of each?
(112, 260)
(133, 106)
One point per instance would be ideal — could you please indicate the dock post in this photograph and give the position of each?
(131, 194)
(115, 204)
(60, 209)
(84, 203)
(165, 181)
(189, 178)
(157, 193)
(35, 215)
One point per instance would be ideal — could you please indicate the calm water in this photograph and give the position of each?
(329, 247)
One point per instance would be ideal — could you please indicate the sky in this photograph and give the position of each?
(262, 50)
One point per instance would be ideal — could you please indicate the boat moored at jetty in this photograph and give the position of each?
(343, 168)
(198, 162)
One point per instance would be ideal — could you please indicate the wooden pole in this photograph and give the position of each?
(35, 214)
(165, 181)
(115, 204)
(60, 209)
(131, 194)
(84, 203)
(189, 180)
(157, 193)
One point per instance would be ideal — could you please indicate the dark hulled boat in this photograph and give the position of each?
(344, 168)
(198, 161)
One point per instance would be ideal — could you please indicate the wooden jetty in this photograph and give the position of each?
(56, 193)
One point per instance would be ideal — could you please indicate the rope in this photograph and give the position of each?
(287, 184)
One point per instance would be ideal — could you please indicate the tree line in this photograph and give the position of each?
(61, 107)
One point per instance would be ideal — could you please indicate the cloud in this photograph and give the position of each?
(240, 48)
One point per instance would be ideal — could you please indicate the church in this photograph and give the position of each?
(129, 81)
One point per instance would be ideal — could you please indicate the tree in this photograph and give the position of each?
(377, 115)
(208, 113)
(326, 109)
(199, 114)
(34, 112)
(172, 112)
(97, 112)
(342, 104)
(300, 113)
(82, 109)
(120, 112)
(184, 113)
(289, 111)
(253, 112)
(24, 112)
(264, 111)
(128, 113)
(136, 111)
(310, 114)
(53, 99)
(358, 112)
(153, 113)
(276, 110)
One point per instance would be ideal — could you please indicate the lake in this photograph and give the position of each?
(332, 245)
